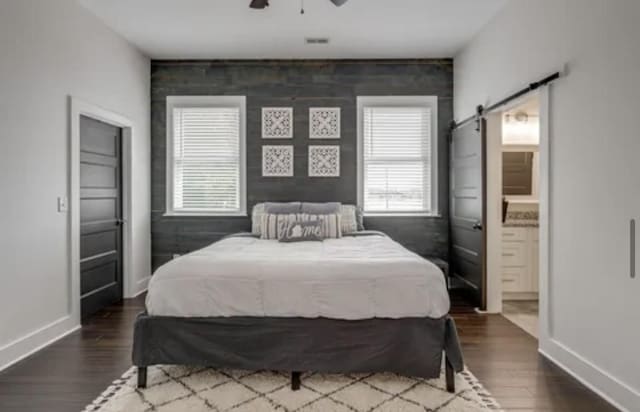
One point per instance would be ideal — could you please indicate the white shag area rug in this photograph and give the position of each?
(190, 389)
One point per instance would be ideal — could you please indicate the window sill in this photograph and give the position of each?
(402, 214)
(205, 214)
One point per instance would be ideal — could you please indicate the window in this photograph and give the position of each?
(206, 155)
(397, 155)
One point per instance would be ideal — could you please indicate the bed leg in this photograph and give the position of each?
(450, 376)
(142, 377)
(295, 381)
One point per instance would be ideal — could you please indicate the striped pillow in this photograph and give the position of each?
(331, 227)
(274, 226)
(259, 209)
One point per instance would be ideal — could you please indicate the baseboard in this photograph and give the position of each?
(31, 343)
(611, 389)
(141, 287)
(138, 293)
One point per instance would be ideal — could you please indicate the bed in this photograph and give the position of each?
(360, 303)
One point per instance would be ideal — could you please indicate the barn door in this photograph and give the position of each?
(467, 215)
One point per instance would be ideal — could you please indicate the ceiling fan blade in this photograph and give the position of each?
(259, 4)
(338, 2)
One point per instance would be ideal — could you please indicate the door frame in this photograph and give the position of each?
(78, 108)
(545, 327)
(494, 209)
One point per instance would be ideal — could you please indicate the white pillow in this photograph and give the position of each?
(256, 218)
(349, 220)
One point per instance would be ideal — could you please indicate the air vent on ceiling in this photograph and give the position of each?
(316, 40)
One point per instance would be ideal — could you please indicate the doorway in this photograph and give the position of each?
(513, 197)
(101, 215)
(99, 207)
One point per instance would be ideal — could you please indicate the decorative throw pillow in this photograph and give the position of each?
(348, 217)
(331, 227)
(271, 207)
(274, 225)
(299, 231)
(256, 218)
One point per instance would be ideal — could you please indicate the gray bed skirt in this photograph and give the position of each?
(407, 346)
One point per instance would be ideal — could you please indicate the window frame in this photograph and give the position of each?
(399, 101)
(177, 102)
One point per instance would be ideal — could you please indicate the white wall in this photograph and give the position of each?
(50, 50)
(593, 329)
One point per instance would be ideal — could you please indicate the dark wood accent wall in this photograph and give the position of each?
(297, 84)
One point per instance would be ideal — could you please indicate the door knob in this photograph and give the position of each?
(477, 226)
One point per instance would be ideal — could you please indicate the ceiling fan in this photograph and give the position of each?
(261, 4)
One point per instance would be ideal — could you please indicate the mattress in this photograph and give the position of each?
(354, 277)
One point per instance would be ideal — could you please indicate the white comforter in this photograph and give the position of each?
(358, 277)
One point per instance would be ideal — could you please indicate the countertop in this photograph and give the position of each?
(521, 219)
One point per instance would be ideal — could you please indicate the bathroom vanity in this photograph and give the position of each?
(520, 256)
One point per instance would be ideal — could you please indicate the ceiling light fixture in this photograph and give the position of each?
(519, 117)
(259, 4)
(522, 117)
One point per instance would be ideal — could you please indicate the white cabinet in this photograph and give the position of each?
(519, 262)
(535, 260)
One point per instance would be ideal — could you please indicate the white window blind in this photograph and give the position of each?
(396, 160)
(206, 160)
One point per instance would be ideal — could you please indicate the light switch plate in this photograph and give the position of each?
(63, 204)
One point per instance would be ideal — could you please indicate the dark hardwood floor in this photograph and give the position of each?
(506, 361)
(69, 374)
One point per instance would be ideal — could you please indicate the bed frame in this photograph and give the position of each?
(407, 346)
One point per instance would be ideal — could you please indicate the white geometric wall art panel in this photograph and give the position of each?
(277, 122)
(324, 161)
(277, 161)
(324, 123)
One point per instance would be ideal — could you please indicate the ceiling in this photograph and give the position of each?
(229, 29)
